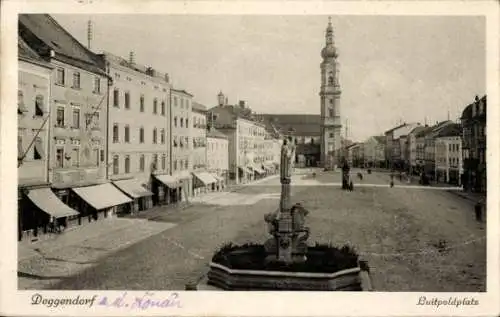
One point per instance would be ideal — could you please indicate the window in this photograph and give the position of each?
(187, 123)
(175, 165)
(141, 135)
(60, 76)
(330, 112)
(76, 118)
(182, 103)
(60, 117)
(331, 135)
(20, 102)
(142, 103)
(163, 161)
(187, 104)
(155, 106)
(175, 101)
(186, 164)
(163, 108)
(96, 119)
(127, 134)
(175, 122)
(175, 141)
(76, 80)
(141, 163)
(102, 155)
(162, 136)
(155, 135)
(96, 156)
(155, 160)
(38, 149)
(97, 85)
(127, 164)
(116, 98)
(75, 157)
(60, 157)
(116, 165)
(39, 105)
(127, 100)
(116, 135)
(182, 122)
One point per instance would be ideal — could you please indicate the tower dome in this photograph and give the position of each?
(329, 51)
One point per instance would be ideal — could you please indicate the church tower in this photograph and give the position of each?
(330, 103)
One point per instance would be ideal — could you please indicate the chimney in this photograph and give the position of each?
(89, 34)
(131, 59)
(242, 104)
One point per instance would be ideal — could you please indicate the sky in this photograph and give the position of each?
(392, 68)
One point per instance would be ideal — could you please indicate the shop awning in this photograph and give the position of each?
(205, 177)
(258, 169)
(168, 180)
(245, 169)
(218, 178)
(47, 201)
(268, 167)
(102, 196)
(132, 187)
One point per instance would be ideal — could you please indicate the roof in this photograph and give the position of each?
(214, 133)
(303, 124)
(181, 91)
(226, 115)
(416, 130)
(422, 133)
(43, 34)
(395, 128)
(379, 138)
(146, 70)
(198, 107)
(24, 52)
(468, 111)
(450, 130)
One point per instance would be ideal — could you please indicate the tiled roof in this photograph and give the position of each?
(146, 70)
(380, 139)
(303, 124)
(395, 128)
(199, 107)
(424, 132)
(214, 133)
(416, 130)
(26, 53)
(43, 33)
(450, 130)
(227, 114)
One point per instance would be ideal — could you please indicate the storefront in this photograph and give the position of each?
(166, 189)
(245, 174)
(102, 200)
(42, 212)
(202, 182)
(142, 198)
(258, 171)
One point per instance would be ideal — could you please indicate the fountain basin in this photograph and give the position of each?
(244, 268)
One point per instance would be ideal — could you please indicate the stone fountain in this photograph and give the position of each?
(285, 261)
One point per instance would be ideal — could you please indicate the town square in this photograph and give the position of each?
(238, 153)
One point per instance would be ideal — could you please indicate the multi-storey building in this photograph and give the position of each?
(217, 156)
(139, 130)
(307, 134)
(181, 141)
(202, 180)
(78, 110)
(429, 148)
(448, 156)
(374, 151)
(246, 136)
(393, 150)
(411, 150)
(420, 149)
(474, 145)
(33, 125)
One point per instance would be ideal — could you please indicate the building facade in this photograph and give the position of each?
(78, 127)
(330, 103)
(474, 145)
(181, 140)
(374, 151)
(449, 163)
(429, 148)
(139, 125)
(218, 155)
(202, 181)
(33, 126)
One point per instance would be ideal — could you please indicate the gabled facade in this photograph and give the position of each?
(448, 154)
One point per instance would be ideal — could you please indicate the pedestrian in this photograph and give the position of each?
(392, 180)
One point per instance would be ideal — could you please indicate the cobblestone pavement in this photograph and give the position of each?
(414, 239)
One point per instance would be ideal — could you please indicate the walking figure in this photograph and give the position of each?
(360, 176)
(392, 180)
